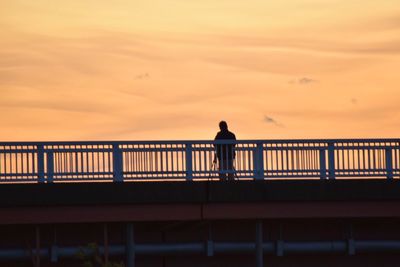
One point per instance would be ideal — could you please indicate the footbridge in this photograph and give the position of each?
(163, 203)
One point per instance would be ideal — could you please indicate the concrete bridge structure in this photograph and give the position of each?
(292, 203)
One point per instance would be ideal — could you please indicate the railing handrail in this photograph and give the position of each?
(245, 141)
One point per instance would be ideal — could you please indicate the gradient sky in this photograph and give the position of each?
(172, 69)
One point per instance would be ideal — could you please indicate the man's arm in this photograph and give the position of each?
(215, 148)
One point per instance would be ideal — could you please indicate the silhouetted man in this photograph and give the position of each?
(225, 152)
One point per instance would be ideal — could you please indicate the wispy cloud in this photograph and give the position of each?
(142, 76)
(270, 120)
(303, 81)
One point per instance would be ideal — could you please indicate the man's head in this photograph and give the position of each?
(223, 125)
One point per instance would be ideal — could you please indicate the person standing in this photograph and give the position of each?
(225, 153)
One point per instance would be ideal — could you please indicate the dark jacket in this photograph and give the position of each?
(225, 152)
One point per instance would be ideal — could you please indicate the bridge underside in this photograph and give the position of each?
(296, 223)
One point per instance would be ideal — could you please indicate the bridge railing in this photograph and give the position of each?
(47, 162)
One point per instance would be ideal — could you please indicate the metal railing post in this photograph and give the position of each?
(117, 164)
(389, 163)
(50, 166)
(40, 163)
(258, 162)
(322, 163)
(331, 160)
(188, 159)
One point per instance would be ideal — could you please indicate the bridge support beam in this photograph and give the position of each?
(130, 246)
(259, 244)
(37, 249)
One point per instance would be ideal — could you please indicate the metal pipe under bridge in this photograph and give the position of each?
(48, 162)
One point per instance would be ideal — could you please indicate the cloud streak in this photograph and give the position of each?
(303, 81)
(270, 120)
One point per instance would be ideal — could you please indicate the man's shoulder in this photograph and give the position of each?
(232, 135)
(225, 135)
(219, 135)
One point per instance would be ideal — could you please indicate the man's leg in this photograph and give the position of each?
(231, 171)
(222, 170)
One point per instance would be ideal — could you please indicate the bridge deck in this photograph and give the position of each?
(108, 202)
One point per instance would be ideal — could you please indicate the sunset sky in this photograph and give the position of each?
(172, 69)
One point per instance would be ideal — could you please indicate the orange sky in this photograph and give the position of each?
(171, 69)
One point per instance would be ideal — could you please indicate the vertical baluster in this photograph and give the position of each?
(64, 160)
(103, 160)
(171, 160)
(397, 152)
(68, 163)
(1, 162)
(243, 159)
(168, 159)
(156, 160)
(151, 160)
(22, 159)
(161, 160)
(348, 161)
(183, 160)
(82, 160)
(364, 150)
(293, 160)
(353, 166)
(139, 156)
(316, 159)
(33, 162)
(369, 159)
(14, 162)
(92, 171)
(306, 159)
(148, 160)
(376, 159)
(322, 163)
(281, 159)
(129, 160)
(301, 159)
(135, 159)
(344, 159)
(142, 160)
(297, 156)
(76, 162)
(28, 160)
